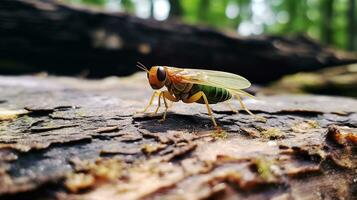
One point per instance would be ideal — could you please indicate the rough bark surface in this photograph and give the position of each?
(68, 138)
(49, 36)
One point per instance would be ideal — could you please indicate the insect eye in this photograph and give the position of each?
(161, 74)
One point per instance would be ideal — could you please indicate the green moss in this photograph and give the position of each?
(272, 133)
(27, 119)
(219, 134)
(79, 114)
(264, 169)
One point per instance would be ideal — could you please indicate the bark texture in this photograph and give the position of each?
(66, 138)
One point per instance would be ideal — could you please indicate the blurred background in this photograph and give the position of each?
(331, 22)
(293, 46)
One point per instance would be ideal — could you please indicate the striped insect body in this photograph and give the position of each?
(195, 86)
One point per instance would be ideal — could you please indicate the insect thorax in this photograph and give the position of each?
(179, 90)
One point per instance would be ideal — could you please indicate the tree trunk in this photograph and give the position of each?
(175, 9)
(327, 30)
(352, 38)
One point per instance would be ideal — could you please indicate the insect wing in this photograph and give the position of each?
(213, 78)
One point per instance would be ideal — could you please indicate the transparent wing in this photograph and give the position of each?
(220, 79)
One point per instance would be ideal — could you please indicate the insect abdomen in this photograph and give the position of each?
(214, 94)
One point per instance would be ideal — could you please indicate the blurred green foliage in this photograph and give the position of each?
(333, 22)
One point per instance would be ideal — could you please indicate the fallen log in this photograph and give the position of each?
(63, 39)
(67, 138)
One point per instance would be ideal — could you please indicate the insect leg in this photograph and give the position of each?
(166, 107)
(158, 103)
(231, 107)
(198, 96)
(150, 101)
(248, 111)
(167, 95)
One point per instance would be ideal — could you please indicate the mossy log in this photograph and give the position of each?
(67, 138)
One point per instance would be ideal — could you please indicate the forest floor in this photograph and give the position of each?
(69, 138)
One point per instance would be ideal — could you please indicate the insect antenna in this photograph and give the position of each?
(141, 66)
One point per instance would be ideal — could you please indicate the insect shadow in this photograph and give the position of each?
(174, 121)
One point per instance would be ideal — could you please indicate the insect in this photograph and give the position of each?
(195, 86)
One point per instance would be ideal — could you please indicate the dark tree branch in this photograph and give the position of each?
(50, 36)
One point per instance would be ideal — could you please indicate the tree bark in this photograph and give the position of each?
(66, 138)
(62, 39)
